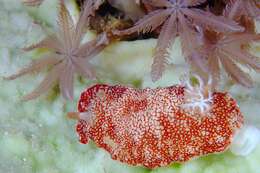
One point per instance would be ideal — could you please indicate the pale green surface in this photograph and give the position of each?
(36, 137)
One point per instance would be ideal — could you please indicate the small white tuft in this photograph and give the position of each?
(197, 98)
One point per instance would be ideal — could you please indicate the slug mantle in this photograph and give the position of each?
(154, 127)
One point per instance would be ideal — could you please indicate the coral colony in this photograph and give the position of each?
(154, 127)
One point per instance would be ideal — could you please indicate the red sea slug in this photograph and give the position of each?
(155, 127)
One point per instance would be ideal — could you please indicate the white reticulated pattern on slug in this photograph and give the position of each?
(245, 141)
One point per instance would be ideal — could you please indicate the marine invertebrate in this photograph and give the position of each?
(248, 8)
(153, 127)
(197, 102)
(230, 49)
(177, 18)
(200, 31)
(68, 54)
(197, 98)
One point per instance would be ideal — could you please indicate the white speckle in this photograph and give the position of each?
(220, 139)
(204, 133)
(191, 149)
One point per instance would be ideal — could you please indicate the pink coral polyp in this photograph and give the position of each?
(150, 127)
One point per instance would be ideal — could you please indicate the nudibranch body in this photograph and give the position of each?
(155, 127)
